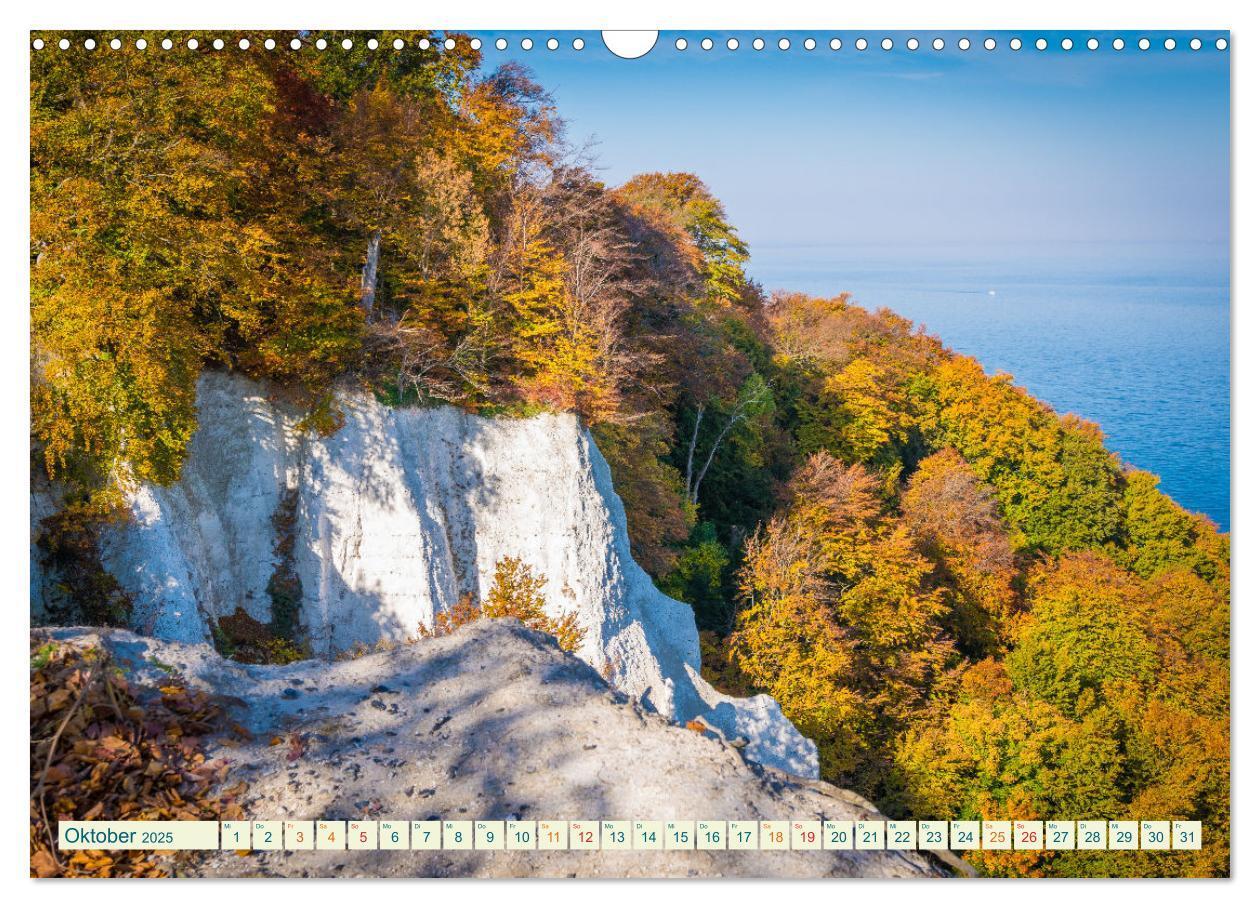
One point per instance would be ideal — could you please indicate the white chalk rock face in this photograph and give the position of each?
(397, 515)
(205, 546)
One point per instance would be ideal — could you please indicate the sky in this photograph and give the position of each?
(976, 149)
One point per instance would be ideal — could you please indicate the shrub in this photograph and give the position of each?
(515, 593)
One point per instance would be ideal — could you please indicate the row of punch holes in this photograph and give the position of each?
(680, 43)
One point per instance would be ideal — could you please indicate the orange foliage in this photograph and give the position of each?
(515, 593)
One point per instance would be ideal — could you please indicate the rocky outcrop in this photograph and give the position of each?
(391, 519)
(491, 722)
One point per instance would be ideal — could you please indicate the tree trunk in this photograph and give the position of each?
(367, 297)
(743, 407)
(691, 449)
(730, 424)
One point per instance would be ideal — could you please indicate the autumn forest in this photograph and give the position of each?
(970, 604)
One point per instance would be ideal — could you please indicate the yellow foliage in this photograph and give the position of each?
(515, 593)
(840, 625)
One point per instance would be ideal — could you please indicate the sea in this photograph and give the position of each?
(1135, 339)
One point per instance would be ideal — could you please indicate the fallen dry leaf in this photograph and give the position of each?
(118, 751)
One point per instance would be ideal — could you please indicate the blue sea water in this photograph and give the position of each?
(1136, 340)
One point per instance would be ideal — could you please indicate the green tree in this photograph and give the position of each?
(700, 578)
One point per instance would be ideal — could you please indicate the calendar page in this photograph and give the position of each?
(795, 453)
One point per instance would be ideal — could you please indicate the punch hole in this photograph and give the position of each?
(629, 45)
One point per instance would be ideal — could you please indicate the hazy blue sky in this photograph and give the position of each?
(979, 149)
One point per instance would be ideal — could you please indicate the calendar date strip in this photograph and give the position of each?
(631, 835)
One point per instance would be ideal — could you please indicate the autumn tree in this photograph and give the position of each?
(683, 202)
(1160, 535)
(789, 642)
(954, 519)
(1001, 752)
(386, 185)
(162, 238)
(516, 592)
(837, 562)
(1113, 702)
(658, 517)
(858, 382)
(565, 276)
(1058, 486)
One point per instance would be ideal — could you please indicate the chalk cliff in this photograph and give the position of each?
(392, 519)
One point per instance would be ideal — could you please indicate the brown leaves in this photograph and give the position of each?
(103, 749)
(57, 700)
(43, 864)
